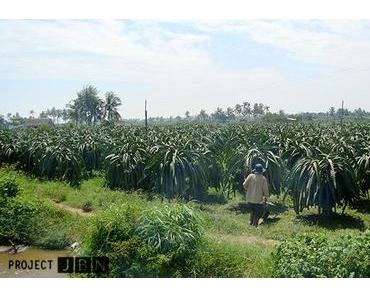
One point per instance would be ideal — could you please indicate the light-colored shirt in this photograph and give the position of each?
(256, 187)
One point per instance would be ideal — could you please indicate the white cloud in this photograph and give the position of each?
(176, 70)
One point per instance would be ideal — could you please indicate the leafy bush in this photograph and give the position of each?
(32, 221)
(20, 220)
(8, 188)
(173, 230)
(225, 259)
(131, 242)
(314, 255)
(323, 180)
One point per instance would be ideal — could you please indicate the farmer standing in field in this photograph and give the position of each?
(257, 192)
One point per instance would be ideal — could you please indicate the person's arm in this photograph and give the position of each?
(265, 190)
(246, 182)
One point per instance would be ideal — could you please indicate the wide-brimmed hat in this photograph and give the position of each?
(258, 168)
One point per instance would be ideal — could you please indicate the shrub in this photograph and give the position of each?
(19, 221)
(8, 188)
(173, 230)
(33, 221)
(55, 238)
(130, 240)
(314, 255)
(225, 259)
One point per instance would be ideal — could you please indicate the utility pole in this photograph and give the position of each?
(341, 117)
(146, 115)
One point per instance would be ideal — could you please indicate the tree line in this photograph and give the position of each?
(89, 108)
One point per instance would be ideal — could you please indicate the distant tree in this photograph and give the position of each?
(112, 101)
(219, 115)
(74, 110)
(258, 109)
(345, 112)
(32, 113)
(2, 120)
(53, 113)
(59, 114)
(16, 119)
(246, 109)
(87, 107)
(202, 115)
(238, 110)
(332, 111)
(8, 115)
(65, 115)
(230, 114)
(359, 112)
(43, 115)
(187, 114)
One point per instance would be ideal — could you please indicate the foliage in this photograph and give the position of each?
(324, 181)
(8, 188)
(131, 242)
(34, 222)
(174, 230)
(28, 220)
(19, 221)
(186, 160)
(314, 255)
(224, 259)
(125, 169)
(88, 108)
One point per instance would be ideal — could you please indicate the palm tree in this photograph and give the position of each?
(246, 109)
(332, 111)
(43, 115)
(2, 120)
(59, 114)
(230, 113)
(202, 115)
(87, 107)
(219, 115)
(53, 113)
(238, 110)
(112, 101)
(65, 115)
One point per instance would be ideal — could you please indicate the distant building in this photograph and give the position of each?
(29, 123)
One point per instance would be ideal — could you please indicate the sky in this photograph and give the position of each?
(180, 66)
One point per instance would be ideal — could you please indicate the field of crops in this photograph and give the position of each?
(316, 164)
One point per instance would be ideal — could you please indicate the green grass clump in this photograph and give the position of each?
(229, 259)
(174, 229)
(314, 255)
(143, 242)
(27, 219)
(8, 188)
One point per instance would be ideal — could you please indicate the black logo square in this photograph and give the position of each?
(65, 264)
(83, 265)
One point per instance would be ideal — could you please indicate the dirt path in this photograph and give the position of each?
(248, 239)
(78, 211)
